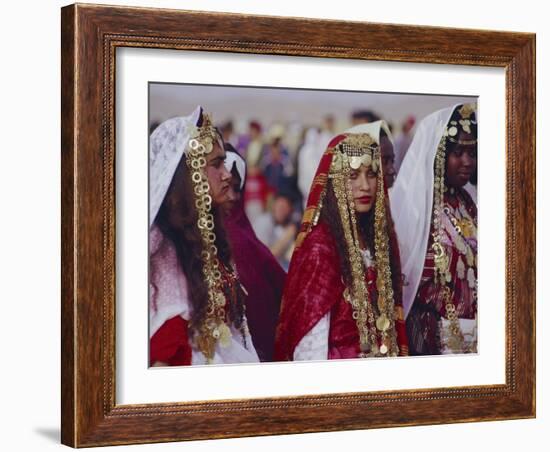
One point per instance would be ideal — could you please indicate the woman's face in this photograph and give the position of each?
(461, 161)
(233, 194)
(363, 188)
(219, 178)
(388, 160)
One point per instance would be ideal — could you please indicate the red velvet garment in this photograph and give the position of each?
(262, 277)
(170, 344)
(315, 287)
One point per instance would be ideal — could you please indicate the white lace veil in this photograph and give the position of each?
(411, 200)
(167, 145)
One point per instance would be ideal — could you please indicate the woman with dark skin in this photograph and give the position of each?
(438, 238)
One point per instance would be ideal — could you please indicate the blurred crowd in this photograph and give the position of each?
(281, 163)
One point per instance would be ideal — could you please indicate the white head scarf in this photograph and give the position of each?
(373, 129)
(167, 145)
(233, 158)
(411, 199)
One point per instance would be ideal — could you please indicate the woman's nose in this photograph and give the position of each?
(364, 183)
(225, 174)
(467, 160)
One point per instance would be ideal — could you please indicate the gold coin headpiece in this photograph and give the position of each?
(467, 119)
(356, 150)
(375, 319)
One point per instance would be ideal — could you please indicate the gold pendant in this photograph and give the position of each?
(382, 323)
(440, 258)
(220, 299)
(467, 227)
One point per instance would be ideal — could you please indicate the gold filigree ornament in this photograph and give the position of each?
(360, 149)
(442, 275)
(375, 323)
(213, 329)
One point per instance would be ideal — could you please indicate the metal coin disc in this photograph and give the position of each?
(194, 144)
(382, 323)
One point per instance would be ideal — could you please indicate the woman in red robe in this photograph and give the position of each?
(342, 297)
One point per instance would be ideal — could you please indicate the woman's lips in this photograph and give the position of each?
(365, 199)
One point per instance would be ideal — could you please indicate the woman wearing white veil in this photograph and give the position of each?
(436, 225)
(196, 302)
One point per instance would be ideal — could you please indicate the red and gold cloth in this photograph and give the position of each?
(315, 286)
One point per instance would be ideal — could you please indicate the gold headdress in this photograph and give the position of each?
(214, 328)
(467, 119)
(375, 323)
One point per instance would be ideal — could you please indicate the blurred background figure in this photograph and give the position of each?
(315, 143)
(277, 228)
(228, 133)
(328, 129)
(276, 164)
(363, 117)
(403, 141)
(250, 146)
(256, 193)
(308, 159)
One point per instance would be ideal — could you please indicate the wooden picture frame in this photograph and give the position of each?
(90, 36)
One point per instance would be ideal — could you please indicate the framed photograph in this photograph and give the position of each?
(282, 225)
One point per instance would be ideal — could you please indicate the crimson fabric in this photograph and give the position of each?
(170, 343)
(315, 287)
(262, 277)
